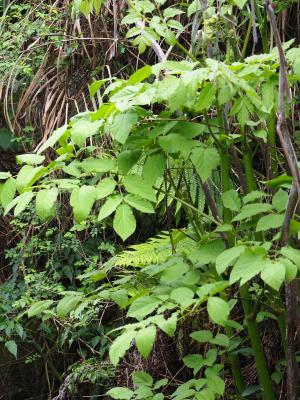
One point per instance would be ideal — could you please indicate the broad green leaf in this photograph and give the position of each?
(73, 169)
(141, 378)
(143, 306)
(120, 346)
(290, 268)
(273, 274)
(194, 361)
(228, 257)
(271, 221)
(205, 161)
(214, 382)
(167, 325)
(176, 143)
(122, 125)
(159, 384)
(120, 393)
(202, 336)
(109, 206)
(207, 253)
(252, 196)
(53, 139)
(12, 347)
(39, 307)
(127, 159)
(134, 184)
(8, 192)
(105, 188)
(182, 296)
(154, 168)
(145, 340)
(140, 75)
(67, 304)
(280, 200)
(124, 222)
(5, 175)
(23, 202)
(206, 97)
(250, 263)
(231, 200)
(240, 3)
(291, 254)
(98, 165)
(221, 340)
(83, 129)
(140, 204)
(218, 310)
(82, 201)
(31, 159)
(45, 202)
(120, 297)
(28, 175)
(250, 210)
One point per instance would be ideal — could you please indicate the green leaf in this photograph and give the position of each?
(5, 175)
(98, 165)
(250, 210)
(140, 204)
(120, 346)
(291, 254)
(194, 361)
(205, 161)
(53, 139)
(105, 188)
(31, 159)
(140, 75)
(142, 307)
(273, 274)
(83, 129)
(67, 304)
(12, 347)
(218, 310)
(140, 378)
(145, 339)
(240, 3)
(127, 159)
(207, 253)
(82, 201)
(250, 263)
(109, 206)
(220, 340)
(167, 325)
(8, 192)
(202, 336)
(280, 200)
(45, 202)
(231, 200)
(160, 383)
(23, 202)
(214, 382)
(39, 307)
(228, 257)
(122, 125)
(27, 176)
(182, 296)
(154, 168)
(134, 184)
(271, 221)
(124, 222)
(206, 97)
(255, 195)
(290, 269)
(120, 393)
(176, 143)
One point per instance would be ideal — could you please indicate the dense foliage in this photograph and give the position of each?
(152, 221)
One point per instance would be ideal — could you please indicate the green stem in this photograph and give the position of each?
(260, 361)
(272, 146)
(262, 22)
(247, 39)
(181, 47)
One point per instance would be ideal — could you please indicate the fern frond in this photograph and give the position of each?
(155, 250)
